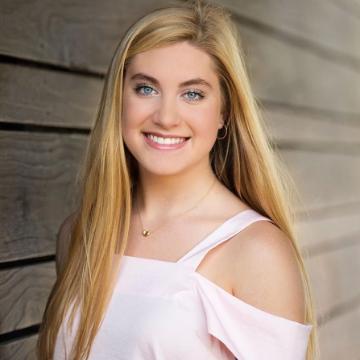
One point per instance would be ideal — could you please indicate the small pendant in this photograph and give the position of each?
(145, 233)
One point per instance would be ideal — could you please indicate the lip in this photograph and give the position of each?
(157, 146)
(165, 136)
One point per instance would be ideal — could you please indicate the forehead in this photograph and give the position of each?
(175, 62)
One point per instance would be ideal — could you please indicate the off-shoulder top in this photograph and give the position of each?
(162, 310)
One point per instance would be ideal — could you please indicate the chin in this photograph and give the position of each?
(166, 170)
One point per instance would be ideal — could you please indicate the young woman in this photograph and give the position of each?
(183, 244)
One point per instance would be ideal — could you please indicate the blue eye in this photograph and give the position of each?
(146, 89)
(195, 95)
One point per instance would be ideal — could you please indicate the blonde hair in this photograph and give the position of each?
(244, 162)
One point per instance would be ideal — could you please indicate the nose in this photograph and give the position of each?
(167, 115)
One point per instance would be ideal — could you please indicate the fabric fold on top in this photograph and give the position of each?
(249, 332)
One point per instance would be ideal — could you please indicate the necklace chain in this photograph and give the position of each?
(147, 232)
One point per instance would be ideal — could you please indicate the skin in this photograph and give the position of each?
(172, 182)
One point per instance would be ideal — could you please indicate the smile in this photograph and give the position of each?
(162, 143)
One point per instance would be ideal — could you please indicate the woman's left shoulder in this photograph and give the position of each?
(265, 272)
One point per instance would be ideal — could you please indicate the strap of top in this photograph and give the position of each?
(224, 232)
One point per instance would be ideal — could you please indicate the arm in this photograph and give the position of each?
(63, 243)
(266, 274)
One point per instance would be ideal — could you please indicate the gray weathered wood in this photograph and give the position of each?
(23, 295)
(284, 73)
(69, 34)
(39, 171)
(303, 59)
(37, 186)
(302, 22)
(46, 97)
(326, 231)
(332, 276)
(21, 349)
(320, 26)
(281, 70)
(339, 338)
(295, 127)
(324, 179)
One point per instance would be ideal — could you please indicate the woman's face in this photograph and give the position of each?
(174, 94)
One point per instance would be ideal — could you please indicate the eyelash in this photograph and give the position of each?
(199, 93)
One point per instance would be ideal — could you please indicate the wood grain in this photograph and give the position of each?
(284, 73)
(303, 61)
(72, 34)
(327, 231)
(339, 338)
(32, 95)
(76, 37)
(323, 179)
(37, 186)
(37, 183)
(20, 349)
(327, 28)
(23, 295)
(332, 275)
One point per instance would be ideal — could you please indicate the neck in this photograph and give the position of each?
(167, 196)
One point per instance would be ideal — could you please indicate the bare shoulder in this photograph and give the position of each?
(63, 242)
(265, 272)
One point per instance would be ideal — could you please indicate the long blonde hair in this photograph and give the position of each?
(244, 161)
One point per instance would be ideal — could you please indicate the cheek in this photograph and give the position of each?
(129, 118)
(129, 110)
(132, 114)
(208, 121)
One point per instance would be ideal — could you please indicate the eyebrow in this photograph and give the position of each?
(196, 81)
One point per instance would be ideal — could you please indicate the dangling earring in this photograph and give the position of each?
(224, 136)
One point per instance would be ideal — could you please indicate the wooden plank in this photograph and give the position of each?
(75, 101)
(321, 26)
(23, 295)
(38, 172)
(339, 338)
(41, 96)
(292, 126)
(290, 74)
(22, 349)
(37, 185)
(284, 73)
(303, 22)
(69, 34)
(323, 179)
(333, 276)
(320, 234)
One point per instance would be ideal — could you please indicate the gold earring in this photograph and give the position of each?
(224, 136)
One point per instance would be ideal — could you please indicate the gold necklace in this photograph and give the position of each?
(146, 232)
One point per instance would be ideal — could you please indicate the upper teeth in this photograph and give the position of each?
(161, 140)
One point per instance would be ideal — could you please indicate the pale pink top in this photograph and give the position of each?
(166, 310)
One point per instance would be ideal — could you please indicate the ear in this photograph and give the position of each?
(221, 122)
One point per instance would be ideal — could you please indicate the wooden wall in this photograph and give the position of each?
(304, 62)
